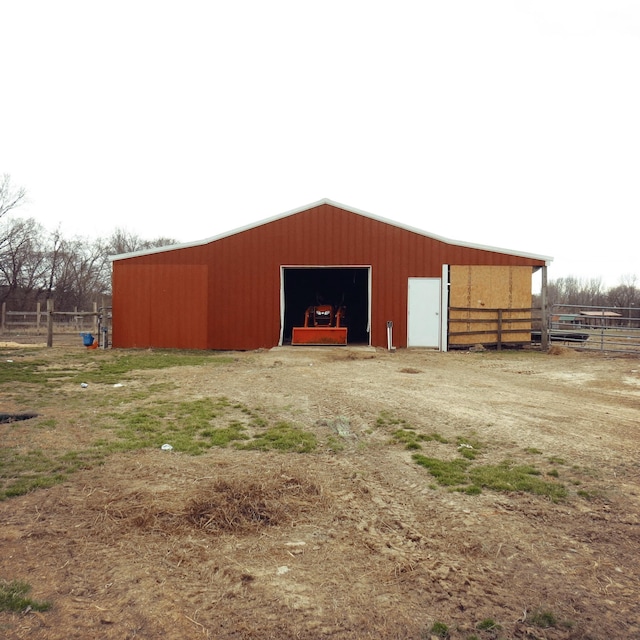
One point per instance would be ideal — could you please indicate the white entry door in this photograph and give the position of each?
(424, 313)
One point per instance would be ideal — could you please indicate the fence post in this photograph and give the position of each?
(37, 318)
(499, 329)
(96, 329)
(4, 316)
(49, 322)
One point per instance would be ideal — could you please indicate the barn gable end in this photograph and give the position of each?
(247, 289)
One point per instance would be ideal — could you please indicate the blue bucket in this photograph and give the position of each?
(87, 339)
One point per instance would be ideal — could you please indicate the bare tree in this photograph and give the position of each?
(75, 276)
(626, 294)
(22, 261)
(36, 264)
(10, 197)
(123, 241)
(577, 292)
(593, 292)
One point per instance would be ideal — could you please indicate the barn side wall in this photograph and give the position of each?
(242, 290)
(160, 305)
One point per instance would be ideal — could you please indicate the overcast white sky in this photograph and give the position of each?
(511, 123)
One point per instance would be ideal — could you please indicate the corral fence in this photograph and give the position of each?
(45, 320)
(595, 328)
(493, 327)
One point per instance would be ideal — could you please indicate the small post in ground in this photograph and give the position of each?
(49, 322)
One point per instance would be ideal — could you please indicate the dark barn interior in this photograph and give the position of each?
(338, 286)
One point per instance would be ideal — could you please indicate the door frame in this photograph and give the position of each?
(440, 308)
(283, 267)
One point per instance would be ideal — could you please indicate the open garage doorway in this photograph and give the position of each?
(346, 287)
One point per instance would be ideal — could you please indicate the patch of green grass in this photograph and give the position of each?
(258, 422)
(488, 624)
(448, 473)
(385, 419)
(48, 423)
(407, 437)
(543, 619)
(334, 444)
(468, 447)
(556, 460)
(29, 372)
(21, 473)
(460, 475)
(589, 495)
(13, 597)
(190, 427)
(412, 438)
(102, 367)
(533, 451)
(283, 437)
(24, 485)
(440, 630)
(509, 477)
(120, 366)
(187, 426)
(553, 473)
(223, 436)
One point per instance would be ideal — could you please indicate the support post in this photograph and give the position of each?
(50, 322)
(37, 318)
(4, 316)
(544, 321)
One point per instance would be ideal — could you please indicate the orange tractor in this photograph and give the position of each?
(322, 326)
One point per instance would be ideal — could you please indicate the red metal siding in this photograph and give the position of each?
(160, 305)
(237, 279)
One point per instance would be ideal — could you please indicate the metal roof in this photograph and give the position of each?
(601, 314)
(198, 243)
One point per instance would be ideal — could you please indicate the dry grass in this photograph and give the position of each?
(349, 543)
(239, 508)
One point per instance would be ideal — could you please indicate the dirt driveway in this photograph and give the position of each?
(354, 540)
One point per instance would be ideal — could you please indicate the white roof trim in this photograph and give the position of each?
(199, 243)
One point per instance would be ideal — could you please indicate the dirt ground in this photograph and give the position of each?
(359, 542)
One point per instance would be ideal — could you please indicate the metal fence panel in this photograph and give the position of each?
(615, 329)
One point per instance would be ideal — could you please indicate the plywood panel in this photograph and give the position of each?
(482, 289)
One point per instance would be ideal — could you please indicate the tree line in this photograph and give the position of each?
(36, 264)
(592, 293)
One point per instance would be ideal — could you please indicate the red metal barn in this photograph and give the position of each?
(249, 288)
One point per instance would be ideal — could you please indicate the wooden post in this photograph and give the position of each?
(544, 321)
(96, 328)
(499, 329)
(50, 322)
(4, 316)
(37, 318)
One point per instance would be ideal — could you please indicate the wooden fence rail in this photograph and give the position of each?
(468, 326)
(49, 318)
